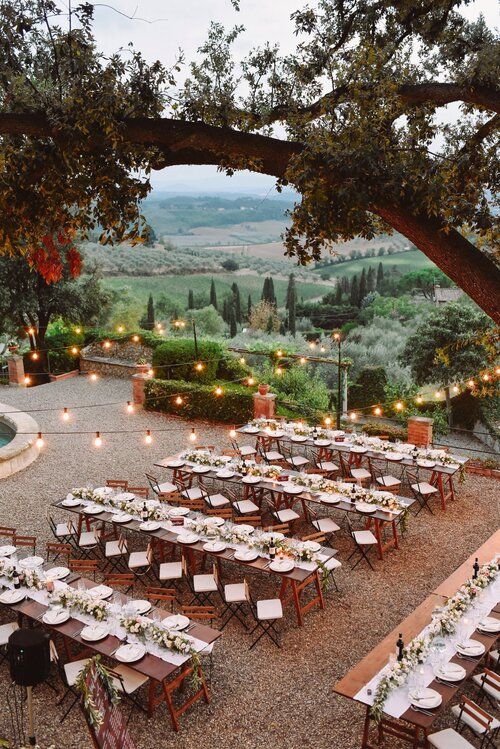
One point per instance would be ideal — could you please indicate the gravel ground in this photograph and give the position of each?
(264, 696)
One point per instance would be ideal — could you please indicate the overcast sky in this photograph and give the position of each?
(184, 23)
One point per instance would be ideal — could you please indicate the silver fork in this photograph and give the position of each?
(422, 710)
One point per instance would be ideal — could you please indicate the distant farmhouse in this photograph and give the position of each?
(443, 296)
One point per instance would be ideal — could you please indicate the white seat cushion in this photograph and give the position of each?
(270, 608)
(424, 488)
(235, 593)
(274, 455)
(286, 516)
(494, 655)
(332, 564)
(364, 538)
(325, 525)
(328, 466)
(87, 538)
(297, 460)
(360, 474)
(246, 507)
(245, 450)
(138, 559)
(491, 689)
(388, 481)
(170, 571)
(167, 488)
(474, 724)
(63, 530)
(112, 549)
(6, 630)
(194, 493)
(449, 739)
(73, 668)
(132, 680)
(217, 500)
(204, 583)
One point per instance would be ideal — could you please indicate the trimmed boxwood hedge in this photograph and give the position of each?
(218, 364)
(234, 407)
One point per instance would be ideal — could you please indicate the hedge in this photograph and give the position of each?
(235, 406)
(218, 364)
(369, 387)
(153, 340)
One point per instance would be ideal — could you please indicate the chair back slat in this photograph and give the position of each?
(470, 708)
(84, 565)
(278, 528)
(117, 484)
(254, 520)
(6, 530)
(220, 512)
(119, 578)
(25, 541)
(202, 613)
(139, 491)
(318, 537)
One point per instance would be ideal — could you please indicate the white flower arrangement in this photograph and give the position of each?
(7, 569)
(203, 457)
(31, 579)
(84, 492)
(444, 623)
(145, 629)
(81, 601)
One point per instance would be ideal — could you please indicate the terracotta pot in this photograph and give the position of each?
(263, 389)
(13, 348)
(142, 368)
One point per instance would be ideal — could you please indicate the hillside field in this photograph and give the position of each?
(403, 261)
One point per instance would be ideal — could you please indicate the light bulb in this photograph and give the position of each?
(93, 376)
(336, 336)
(27, 380)
(178, 401)
(34, 355)
(218, 390)
(419, 399)
(148, 438)
(78, 331)
(130, 407)
(199, 366)
(65, 414)
(399, 406)
(151, 372)
(97, 440)
(323, 349)
(279, 370)
(328, 421)
(135, 338)
(303, 359)
(251, 381)
(232, 433)
(193, 435)
(377, 411)
(39, 442)
(497, 370)
(74, 350)
(31, 331)
(107, 344)
(312, 344)
(456, 389)
(120, 328)
(242, 360)
(486, 377)
(437, 394)
(353, 416)
(471, 383)
(279, 353)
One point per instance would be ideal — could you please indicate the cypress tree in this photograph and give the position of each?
(213, 294)
(237, 302)
(272, 295)
(338, 293)
(291, 304)
(265, 290)
(362, 287)
(370, 279)
(380, 275)
(233, 329)
(354, 292)
(149, 322)
(249, 305)
(224, 311)
(190, 299)
(344, 283)
(270, 324)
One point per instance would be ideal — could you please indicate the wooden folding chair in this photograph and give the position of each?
(117, 484)
(364, 541)
(423, 491)
(56, 550)
(161, 597)
(221, 512)
(203, 614)
(489, 687)
(63, 532)
(85, 566)
(176, 686)
(278, 528)
(483, 725)
(194, 505)
(28, 542)
(139, 491)
(7, 532)
(255, 520)
(119, 580)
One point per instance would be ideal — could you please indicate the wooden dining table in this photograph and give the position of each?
(440, 475)
(158, 671)
(413, 726)
(377, 520)
(292, 584)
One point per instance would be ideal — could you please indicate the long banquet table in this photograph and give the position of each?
(414, 726)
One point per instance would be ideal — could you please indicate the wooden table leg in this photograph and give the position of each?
(395, 534)
(366, 730)
(378, 536)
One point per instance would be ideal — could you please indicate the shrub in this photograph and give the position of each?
(231, 368)
(174, 360)
(230, 265)
(299, 387)
(235, 406)
(395, 434)
(369, 387)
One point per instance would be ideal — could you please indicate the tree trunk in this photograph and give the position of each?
(468, 267)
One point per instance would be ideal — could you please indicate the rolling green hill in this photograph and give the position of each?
(403, 261)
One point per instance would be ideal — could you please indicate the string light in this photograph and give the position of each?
(243, 360)
(438, 394)
(34, 355)
(336, 336)
(328, 421)
(456, 389)
(148, 438)
(78, 331)
(471, 384)
(98, 440)
(199, 366)
(74, 349)
(39, 441)
(485, 377)
(31, 331)
(151, 372)
(65, 414)
(218, 390)
(130, 407)
(419, 399)
(279, 370)
(178, 401)
(303, 359)
(93, 376)
(193, 435)
(497, 370)
(120, 328)
(135, 338)
(107, 344)
(312, 344)
(399, 406)
(377, 411)
(251, 381)
(27, 380)
(353, 416)
(232, 434)
(322, 349)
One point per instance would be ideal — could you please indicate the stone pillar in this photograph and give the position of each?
(420, 430)
(344, 394)
(16, 370)
(138, 394)
(264, 406)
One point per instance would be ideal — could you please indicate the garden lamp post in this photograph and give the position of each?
(337, 336)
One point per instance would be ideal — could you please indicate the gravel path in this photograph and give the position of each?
(264, 696)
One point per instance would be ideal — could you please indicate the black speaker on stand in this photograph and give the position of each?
(29, 660)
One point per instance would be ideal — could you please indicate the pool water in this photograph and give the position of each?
(6, 434)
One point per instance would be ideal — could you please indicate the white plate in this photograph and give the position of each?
(472, 648)
(100, 591)
(426, 463)
(71, 502)
(104, 490)
(139, 606)
(225, 474)
(176, 621)
(30, 563)
(176, 463)
(93, 510)
(312, 545)
(56, 616)
(450, 672)
(489, 624)
(188, 538)
(293, 489)
(394, 456)
(278, 433)
(150, 525)
(57, 573)
(215, 546)
(251, 479)
(126, 496)
(245, 528)
(94, 632)
(299, 438)
(322, 443)
(246, 555)
(13, 596)
(427, 699)
(365, 507)
(359, 449)
(331, 499)
(123, 517)
(214, 520)
(252, 430)
(6, 551)
(282, 566)
(201, 469)
(130, 653)
(178, 512)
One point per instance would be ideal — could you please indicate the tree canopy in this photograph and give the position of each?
(351, 118)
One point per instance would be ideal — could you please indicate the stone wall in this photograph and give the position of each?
(107, 367)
